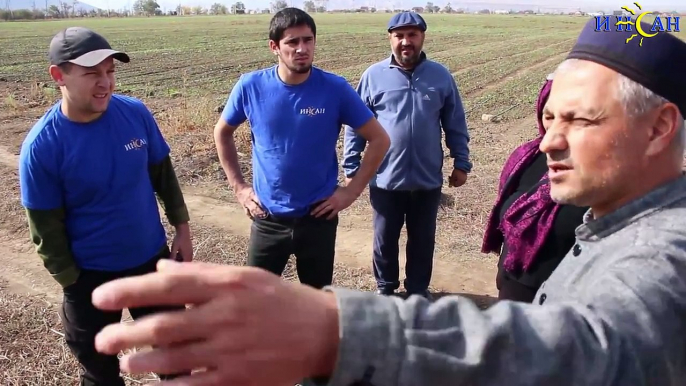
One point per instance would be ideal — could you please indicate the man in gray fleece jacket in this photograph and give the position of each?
(613, 313)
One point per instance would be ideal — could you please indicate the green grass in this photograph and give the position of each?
(207, 53)
(204, 55)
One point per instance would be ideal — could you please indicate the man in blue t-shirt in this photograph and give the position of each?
(89, 172)
(296, 112)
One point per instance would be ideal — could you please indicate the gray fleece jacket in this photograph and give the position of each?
(613, 313)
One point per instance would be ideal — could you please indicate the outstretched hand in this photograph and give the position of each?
(229, 332)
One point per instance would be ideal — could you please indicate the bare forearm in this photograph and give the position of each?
(228, 158)
(373, 156)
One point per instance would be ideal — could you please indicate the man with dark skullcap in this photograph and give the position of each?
(612, 313)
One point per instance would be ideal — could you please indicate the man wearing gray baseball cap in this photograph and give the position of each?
(611, 314)
(83, 47)
(89, 172)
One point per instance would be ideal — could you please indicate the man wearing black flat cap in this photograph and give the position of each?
(89, 173)
(612, 313)
(417, 101)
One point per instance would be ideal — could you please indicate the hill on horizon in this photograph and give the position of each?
(41, 5)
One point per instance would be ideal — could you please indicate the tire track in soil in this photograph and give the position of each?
(511, 56)
(353, 247)
(522, 71)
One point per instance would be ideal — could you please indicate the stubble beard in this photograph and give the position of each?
(302, 69)
(409, 60)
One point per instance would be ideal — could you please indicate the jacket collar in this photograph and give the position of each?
(663, 196)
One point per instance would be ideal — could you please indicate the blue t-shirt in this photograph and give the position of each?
(98, 172)
(295, 130)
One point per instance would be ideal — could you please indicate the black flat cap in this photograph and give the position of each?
(82, 47)
(657, 62)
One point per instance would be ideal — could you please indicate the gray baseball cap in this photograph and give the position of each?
(82, 47)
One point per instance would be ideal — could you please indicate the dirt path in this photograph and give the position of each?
(24, 271)
(353, 248)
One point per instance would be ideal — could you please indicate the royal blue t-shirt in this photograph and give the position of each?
(295, 130)
(98, 172)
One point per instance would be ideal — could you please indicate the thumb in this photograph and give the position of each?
(168, 265)
(254, 199)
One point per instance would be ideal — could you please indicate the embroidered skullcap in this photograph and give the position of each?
(657, 62)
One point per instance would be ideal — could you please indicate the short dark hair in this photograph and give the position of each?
(288, 18)
(65, 67)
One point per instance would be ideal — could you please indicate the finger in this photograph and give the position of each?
(187, 248)
(321, 208)
(188, 256)
(332, 215)
(160, 329)
(172, 360)
(254, 209)
(173, 266)
(201, 378)
(170, 287)
(247, 211)
(253, 198)
(257, 215)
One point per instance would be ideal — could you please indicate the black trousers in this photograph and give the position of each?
(82, 321)
(312, 240)
(511, 289)
(418, 211)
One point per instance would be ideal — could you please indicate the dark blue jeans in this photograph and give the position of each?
(418, 211)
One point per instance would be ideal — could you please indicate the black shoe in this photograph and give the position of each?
(425, 294)
(385, 292)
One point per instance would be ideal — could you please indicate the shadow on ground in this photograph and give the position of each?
(482, 301)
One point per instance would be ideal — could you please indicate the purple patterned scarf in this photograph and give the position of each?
(528, 220)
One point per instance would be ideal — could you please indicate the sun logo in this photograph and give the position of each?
(636, 24)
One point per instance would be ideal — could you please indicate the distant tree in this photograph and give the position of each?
(65, 8)
(278, 5)
(308, 6)
(431, 8)
(219, 9)
(448, 8)
(54, 11)
(146, 7)
(199, 10)
(238, 8)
